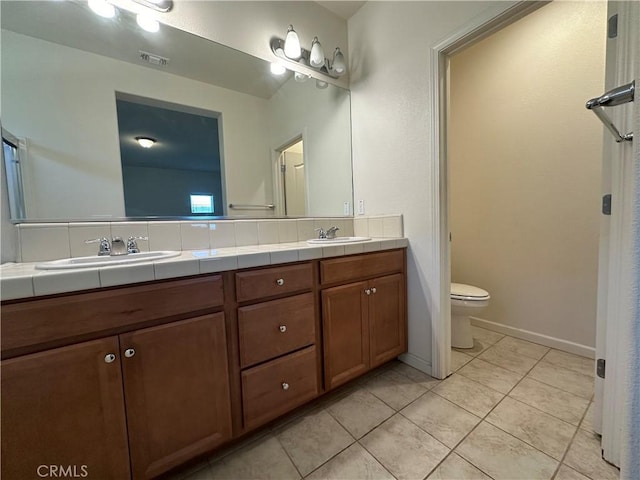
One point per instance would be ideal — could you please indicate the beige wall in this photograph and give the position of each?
(525, 169)
(393, 162)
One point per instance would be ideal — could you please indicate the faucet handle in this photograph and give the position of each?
(105, 246)
(132, 244)
(321, 232)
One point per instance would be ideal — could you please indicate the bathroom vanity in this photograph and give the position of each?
(133, 381)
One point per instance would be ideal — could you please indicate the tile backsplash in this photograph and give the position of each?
(51, 241)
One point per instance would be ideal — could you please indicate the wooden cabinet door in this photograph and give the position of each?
(345, 333)
(176, 385)
(64, 408)
(387, 319)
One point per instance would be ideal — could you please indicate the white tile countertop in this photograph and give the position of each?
(23, 280)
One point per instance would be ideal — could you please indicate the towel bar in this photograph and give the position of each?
(612, 98)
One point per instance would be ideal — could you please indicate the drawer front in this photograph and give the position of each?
(347, 269)
(39, 324)
(276, 387)
(274, 281)
(270, 329)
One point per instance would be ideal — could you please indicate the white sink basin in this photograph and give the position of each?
(105, 261)
(331, 241)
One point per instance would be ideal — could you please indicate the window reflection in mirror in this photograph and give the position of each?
(168, 152)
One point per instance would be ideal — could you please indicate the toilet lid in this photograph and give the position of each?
(461, 291)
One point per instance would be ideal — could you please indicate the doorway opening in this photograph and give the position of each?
(293, 179)
(539, 165)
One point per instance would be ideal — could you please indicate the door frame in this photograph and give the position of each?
(490, 21)
(615, 316)
(278, 183)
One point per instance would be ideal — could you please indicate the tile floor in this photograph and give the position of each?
(511, 410)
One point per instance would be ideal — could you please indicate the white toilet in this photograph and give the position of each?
(466, 301)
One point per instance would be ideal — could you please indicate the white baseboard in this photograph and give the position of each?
(416, 362)
(545, 340)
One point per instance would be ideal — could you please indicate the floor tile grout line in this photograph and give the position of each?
(376, 458)
(493, 408)
(329, 459)
(566, 452)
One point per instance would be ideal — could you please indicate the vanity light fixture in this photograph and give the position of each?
(338, 66)
(316, 57)
(321, 84)
(102, 8)
(292, 44)
(289, 50)
(146, 142)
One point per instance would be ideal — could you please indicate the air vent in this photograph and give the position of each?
(153, 59)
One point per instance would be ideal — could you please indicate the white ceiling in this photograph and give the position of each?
(341, 8)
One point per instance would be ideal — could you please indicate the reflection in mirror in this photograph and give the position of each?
(65, 74)
(169, 156)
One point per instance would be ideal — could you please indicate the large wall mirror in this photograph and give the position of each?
(102, 120)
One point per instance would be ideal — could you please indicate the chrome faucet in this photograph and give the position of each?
(328, 234)
(105, 246)
(331, 232)
(118, 247)
(132, 244)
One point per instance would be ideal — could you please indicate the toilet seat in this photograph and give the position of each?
(461, 291)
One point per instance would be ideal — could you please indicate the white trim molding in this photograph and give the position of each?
(546, 340)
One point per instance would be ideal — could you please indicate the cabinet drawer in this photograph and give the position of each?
(38, 324)
(271, 329)
(276, 387)
(347, 269)
(269, 282)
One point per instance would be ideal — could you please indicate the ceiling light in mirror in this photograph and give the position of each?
(147, 23)
(146, 142)
(292, 44)
(102, 8)
(321, 84)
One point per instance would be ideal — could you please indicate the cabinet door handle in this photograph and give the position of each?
(109, 358)
(367, 291)
(285, 386)
(129, 352)
(373, 290)
(282, 328)
(280, 282)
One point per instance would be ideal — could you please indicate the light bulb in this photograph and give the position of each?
(301, 77)
(147, 23)
(321, 84)
(338, 66)
(316, 58)
(292, 44)
(277, 69)
(102, 8)
(146, 142)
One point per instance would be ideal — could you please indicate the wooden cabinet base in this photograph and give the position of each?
(64, 408)
(274, 388)
(177, 392)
